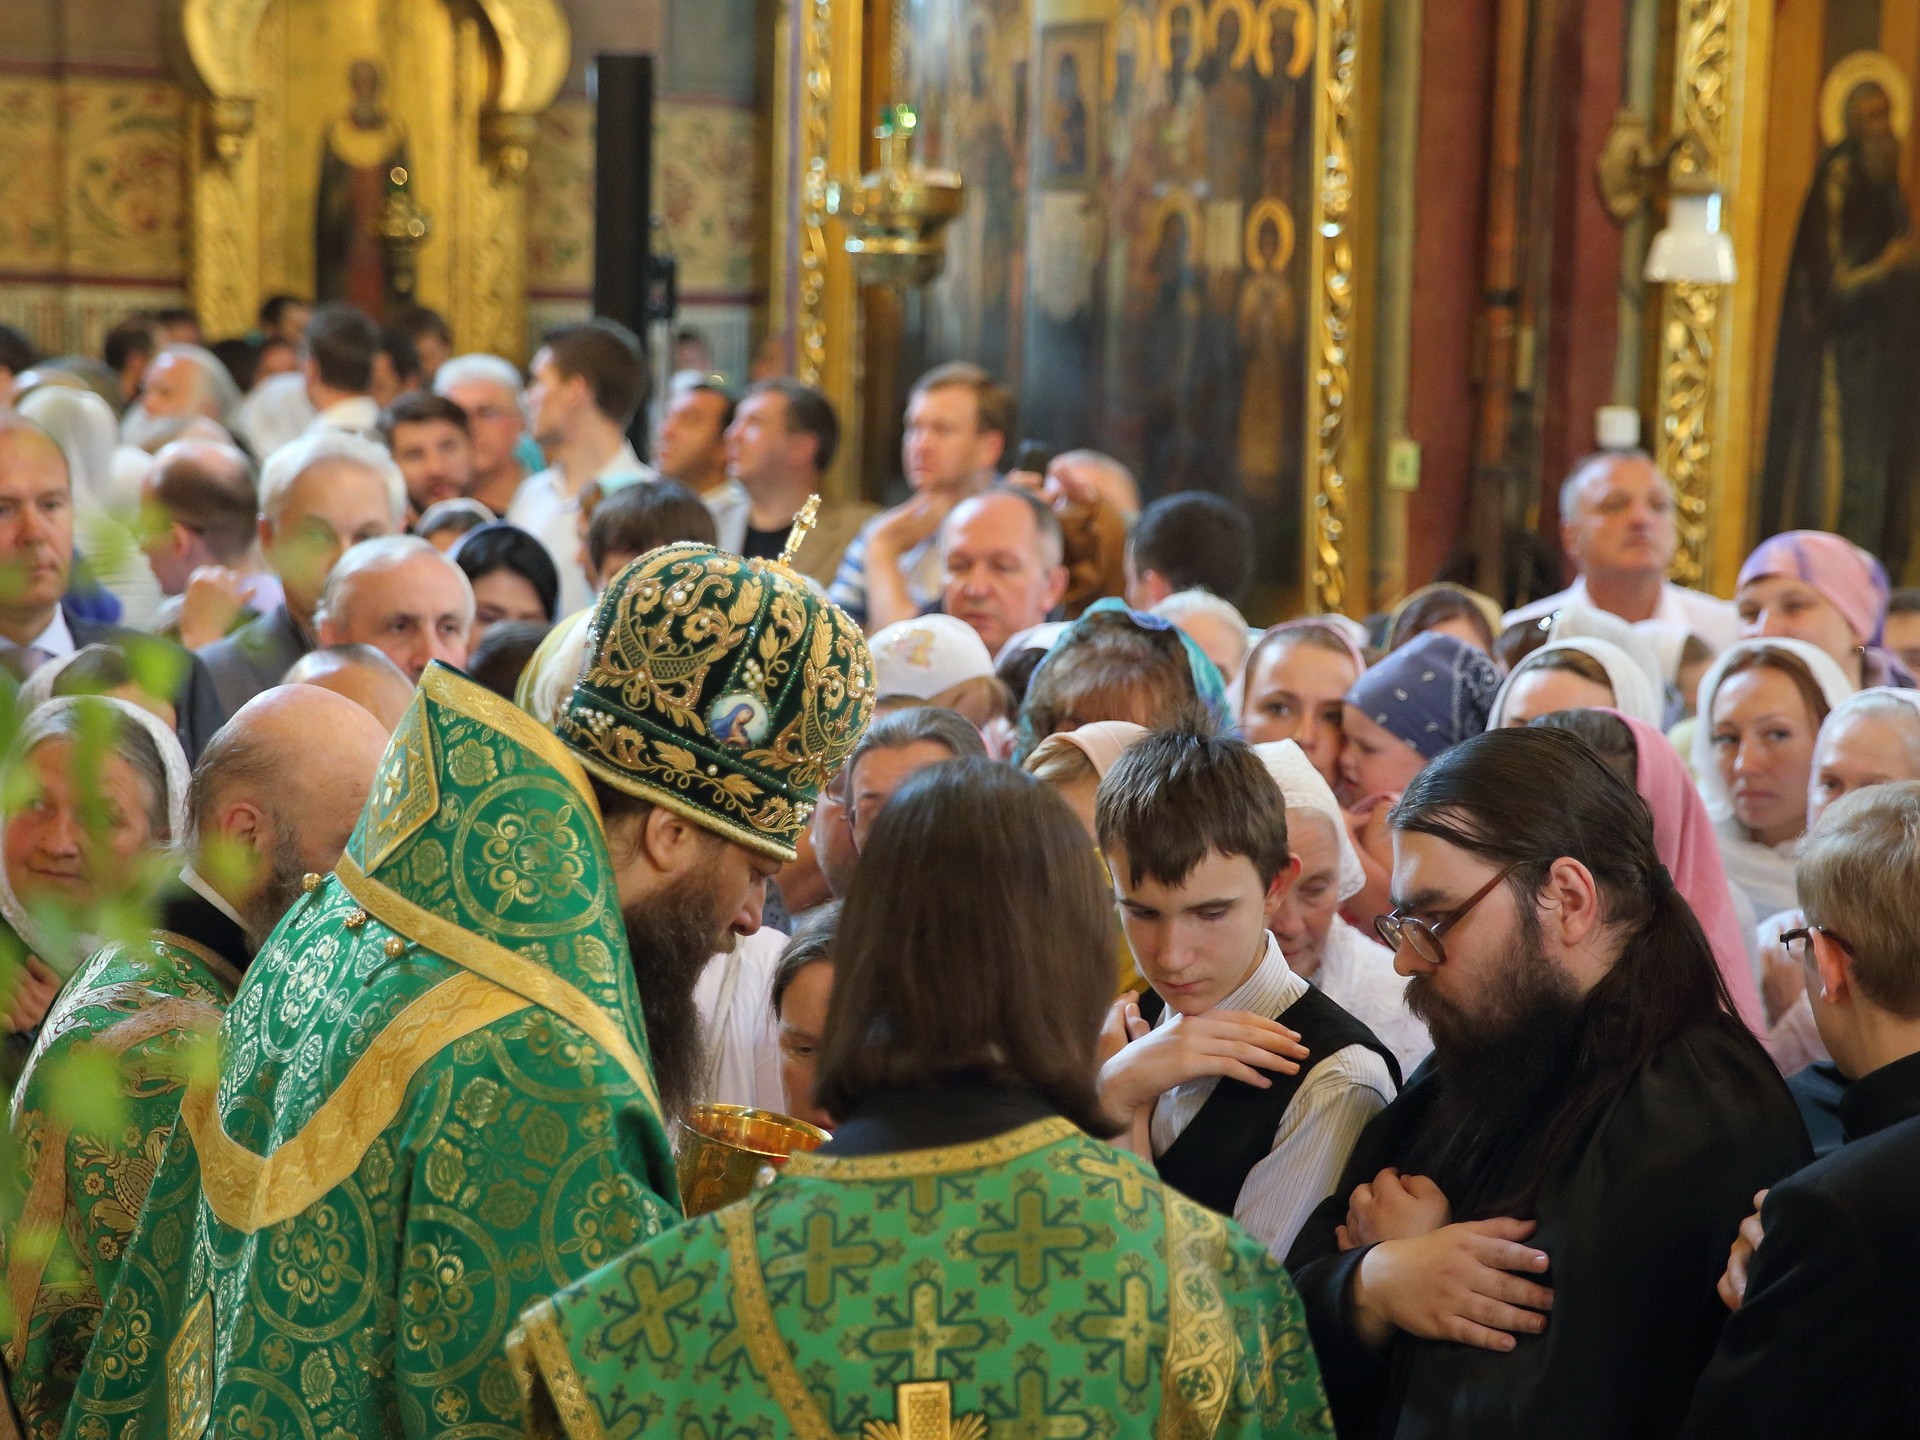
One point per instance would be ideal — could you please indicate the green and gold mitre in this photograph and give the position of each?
(723, 689)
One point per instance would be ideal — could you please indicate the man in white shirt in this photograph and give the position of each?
(959, 425)
(588, 381)
(1617, 524)
(690, 445)
(1245, 1085)
(338, 365)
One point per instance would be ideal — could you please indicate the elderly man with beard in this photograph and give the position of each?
(275, 796)
(441, 1095)
(1526, 1241)
(184, 386)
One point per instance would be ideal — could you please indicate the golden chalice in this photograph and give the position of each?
(723, 1150)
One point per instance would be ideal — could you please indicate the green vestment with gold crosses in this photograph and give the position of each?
(132, 1018)
(434, 1105)
(1036, 1285)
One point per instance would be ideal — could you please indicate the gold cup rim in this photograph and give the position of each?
(744, 1116)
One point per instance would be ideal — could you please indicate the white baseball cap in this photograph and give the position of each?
(927, 656)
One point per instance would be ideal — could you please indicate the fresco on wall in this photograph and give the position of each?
(1131, 258)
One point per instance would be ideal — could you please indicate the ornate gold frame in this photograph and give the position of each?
(821, 89)
(1706, 333)
(474, 269)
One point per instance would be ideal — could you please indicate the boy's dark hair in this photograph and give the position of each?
(397, 345)
(1179, 796)
(809, 411)
(1195, 540)
(503, 653)
(608, 357)
(132, 338)
(418, 320)
(274, 309)
(16, 351)
(342, 343)
(637, 518)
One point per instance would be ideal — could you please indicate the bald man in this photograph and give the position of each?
(1618, 527)
(36, 562)
(403, 597)
(275, 797)
(363, 675)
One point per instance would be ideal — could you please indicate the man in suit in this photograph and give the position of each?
(319, 497)
(1822, 1279)
(36, 563)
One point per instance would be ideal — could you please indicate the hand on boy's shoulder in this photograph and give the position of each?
(1234, 1043)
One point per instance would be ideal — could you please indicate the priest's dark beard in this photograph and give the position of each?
(1504, 1068)
(672, 936)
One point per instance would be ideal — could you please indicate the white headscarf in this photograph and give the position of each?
(1304, 788)
(1633, 690)
(1763, 873)
(63, 957)
(1584, 622)
(555, 669)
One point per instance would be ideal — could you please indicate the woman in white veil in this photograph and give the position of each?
(78, 760)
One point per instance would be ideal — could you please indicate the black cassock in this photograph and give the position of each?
(1636, 1222)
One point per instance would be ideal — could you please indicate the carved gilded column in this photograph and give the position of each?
(1335, 434)
(1693, 386)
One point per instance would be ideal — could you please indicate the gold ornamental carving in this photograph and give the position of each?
(499, 65)
(1691, 390)
(1332, 359)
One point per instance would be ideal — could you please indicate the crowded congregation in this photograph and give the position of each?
(1217, 738)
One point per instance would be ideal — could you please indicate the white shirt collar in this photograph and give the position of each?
(55, 642)
(197, 883)
(356, 412)
(625, 463)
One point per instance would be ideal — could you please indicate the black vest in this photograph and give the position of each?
(1212, 1157)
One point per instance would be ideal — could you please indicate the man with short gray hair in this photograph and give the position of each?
(404, 598)
(488, 388)
(319, 496)
(1002, 554)
(1617, 526)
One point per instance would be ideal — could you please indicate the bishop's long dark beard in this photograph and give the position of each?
(1504, 1069)
(673, 935)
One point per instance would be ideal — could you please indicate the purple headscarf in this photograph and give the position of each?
(1432, 693)
(1849, 579)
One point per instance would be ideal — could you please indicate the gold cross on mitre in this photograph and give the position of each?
(923, 1410)
(803, 524)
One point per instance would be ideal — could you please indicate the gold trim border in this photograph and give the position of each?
(536, 1351)
(754, 1314)
(500, 966)
(249, 1192)
(946, 1160)
(1333, 363)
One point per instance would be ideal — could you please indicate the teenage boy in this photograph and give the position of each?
(1824, 1276)
(1195, 831)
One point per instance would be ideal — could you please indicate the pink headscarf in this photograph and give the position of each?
(1852, 581)
(1684, 837)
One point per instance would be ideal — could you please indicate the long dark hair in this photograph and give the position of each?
(975, 943)
(1526, 798)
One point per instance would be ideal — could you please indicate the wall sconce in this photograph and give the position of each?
(1692, 248)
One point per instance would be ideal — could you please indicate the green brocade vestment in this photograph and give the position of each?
(1035, 1286)
(140, 1008)
(435, 1105)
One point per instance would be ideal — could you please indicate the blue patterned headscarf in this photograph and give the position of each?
(1432, 693)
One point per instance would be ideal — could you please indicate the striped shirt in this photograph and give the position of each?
(1317, 1131)
(925, 580)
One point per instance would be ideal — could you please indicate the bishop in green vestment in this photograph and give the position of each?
(435, 1099)
(963, 1260)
